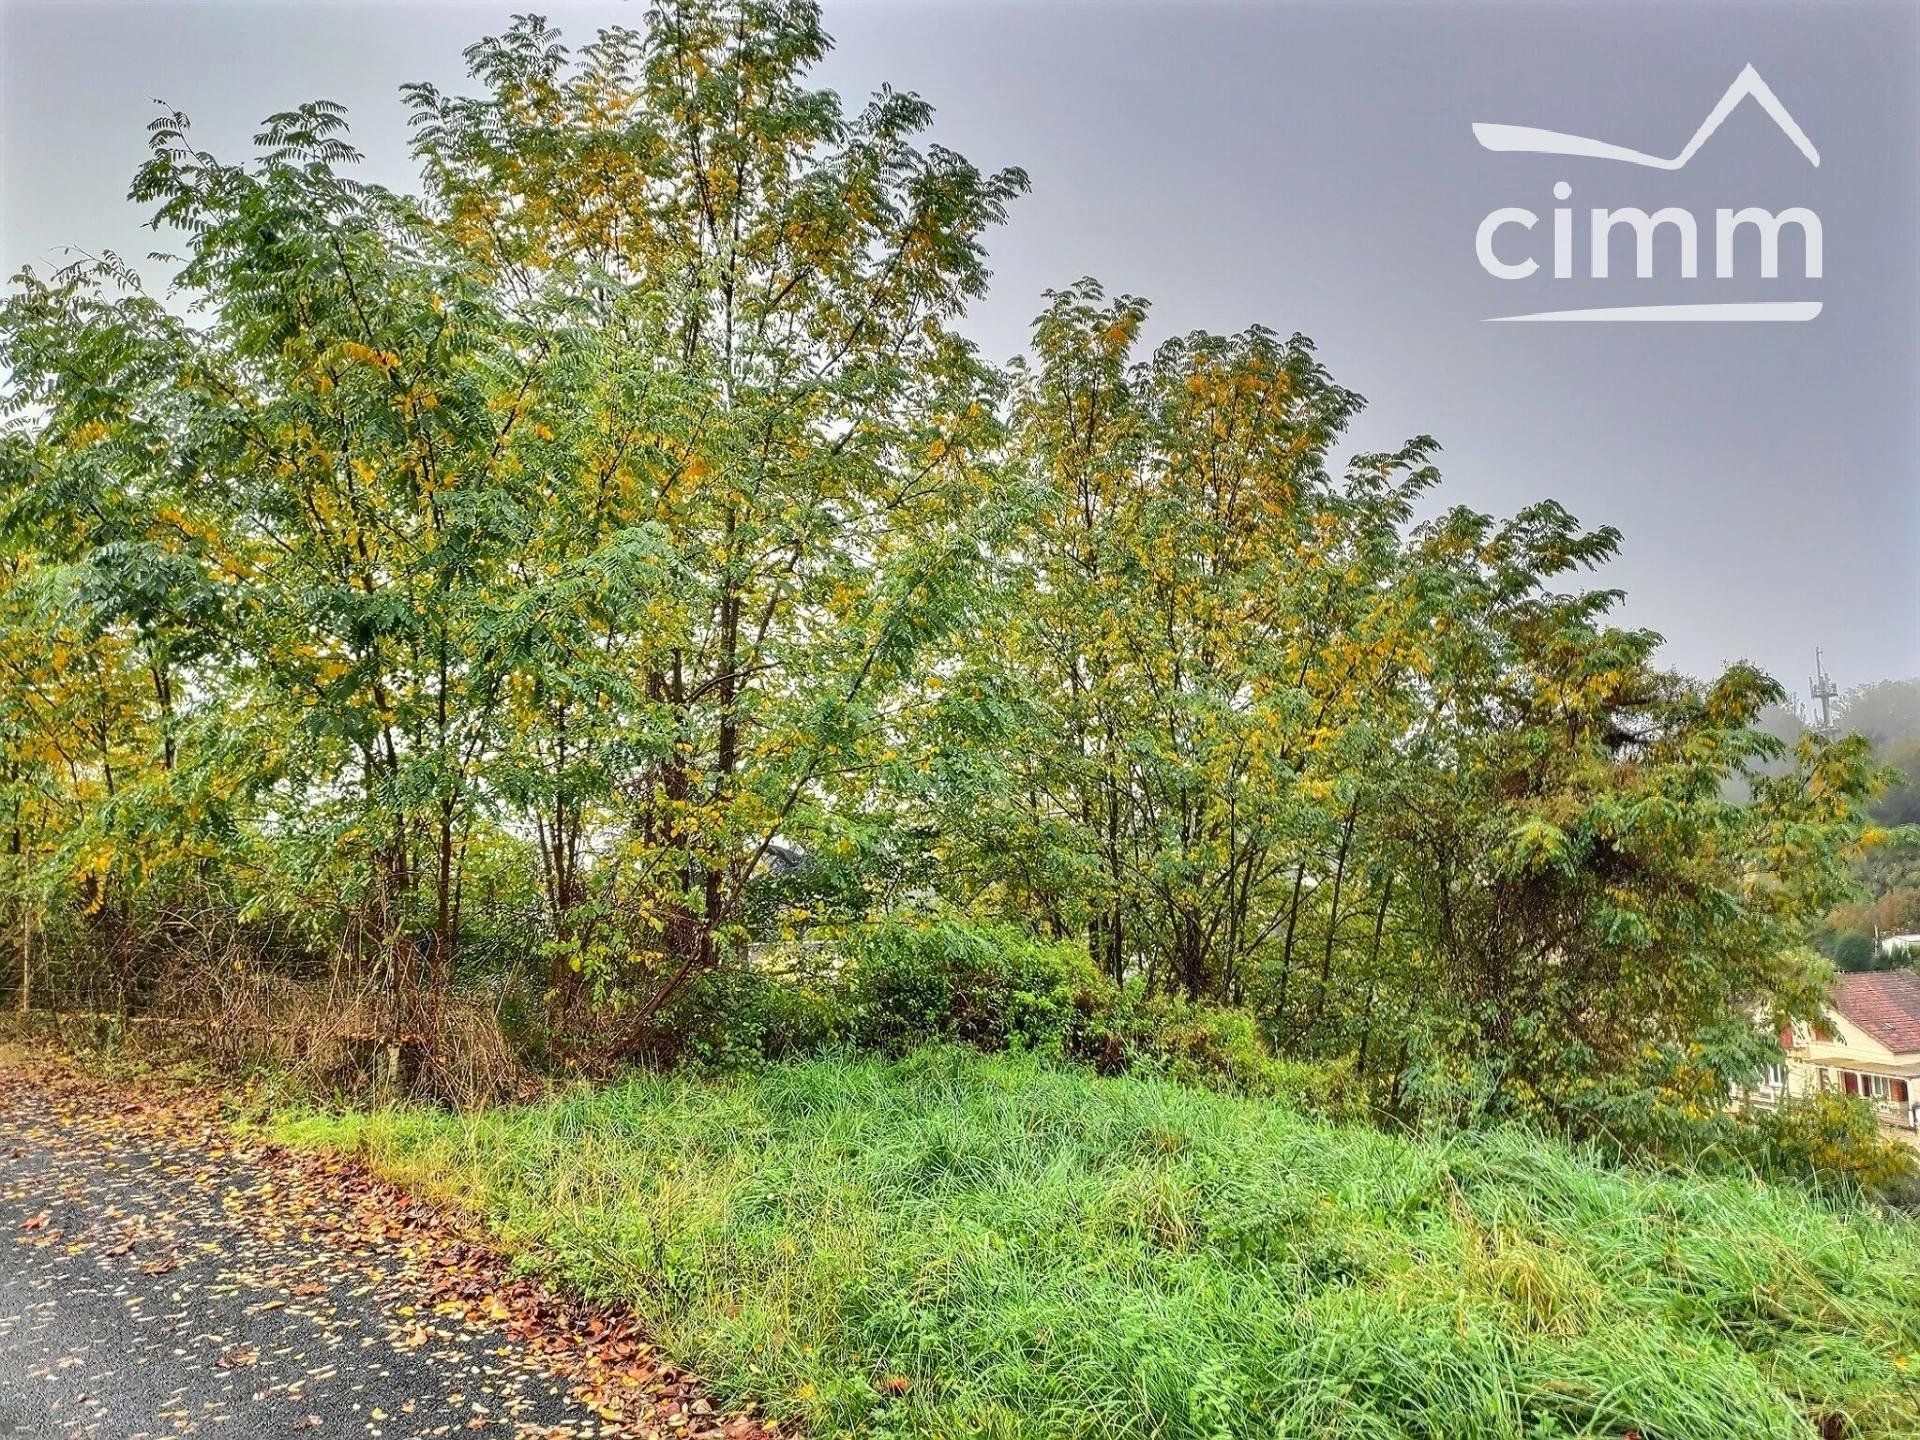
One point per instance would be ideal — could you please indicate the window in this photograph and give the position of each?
(1878, 1086)
(1777, 1076)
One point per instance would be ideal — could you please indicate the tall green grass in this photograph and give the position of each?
(1042, 1253)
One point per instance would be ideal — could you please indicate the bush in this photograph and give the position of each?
(902, 984)
(1675, 1112)
(1855, 952)
(1836, 1141)
(993, 987)
(762, 1008)
(1217, 1047)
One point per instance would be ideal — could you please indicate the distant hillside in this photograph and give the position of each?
(1888, 713)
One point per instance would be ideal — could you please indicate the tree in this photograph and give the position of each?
(1204, 649)
(1884, 711)
(777, 416)
(524, 570)
(613, 489)
(1590, 898)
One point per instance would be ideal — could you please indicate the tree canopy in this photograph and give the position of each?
(612, 555)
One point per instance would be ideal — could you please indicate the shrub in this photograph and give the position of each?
(1836, 1141)
(1675, 1112)
(1209, 1045)
(1218, 1047)
(992, 987)
(901, 984)
(1855, 952)
(760, 1008)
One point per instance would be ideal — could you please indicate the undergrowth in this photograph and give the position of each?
(956, 1245)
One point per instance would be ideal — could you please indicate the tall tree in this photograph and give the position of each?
(778, 415)
(1205, 642)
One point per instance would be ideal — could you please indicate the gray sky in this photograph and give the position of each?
(1311, 167)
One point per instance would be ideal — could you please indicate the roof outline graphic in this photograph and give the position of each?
(1748, 84)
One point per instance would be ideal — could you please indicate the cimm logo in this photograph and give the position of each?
(1507, 242)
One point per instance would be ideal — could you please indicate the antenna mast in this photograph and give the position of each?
(1826, 692)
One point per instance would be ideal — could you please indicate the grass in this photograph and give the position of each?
(1043, 1253)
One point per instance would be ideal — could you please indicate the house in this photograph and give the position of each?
(1869, 1045)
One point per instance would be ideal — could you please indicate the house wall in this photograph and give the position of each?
(1898, 1076)
(1836, 1049)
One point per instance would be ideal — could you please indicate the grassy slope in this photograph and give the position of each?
(1044, 1253)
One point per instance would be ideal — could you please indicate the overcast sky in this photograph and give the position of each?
(1312, 168)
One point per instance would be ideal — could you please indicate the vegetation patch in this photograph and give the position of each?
(956, 1244)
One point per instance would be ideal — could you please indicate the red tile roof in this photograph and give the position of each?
(1885, 1004)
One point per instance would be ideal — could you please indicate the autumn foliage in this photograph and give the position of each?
(609, 568)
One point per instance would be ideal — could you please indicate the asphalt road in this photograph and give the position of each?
(169, 1284)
